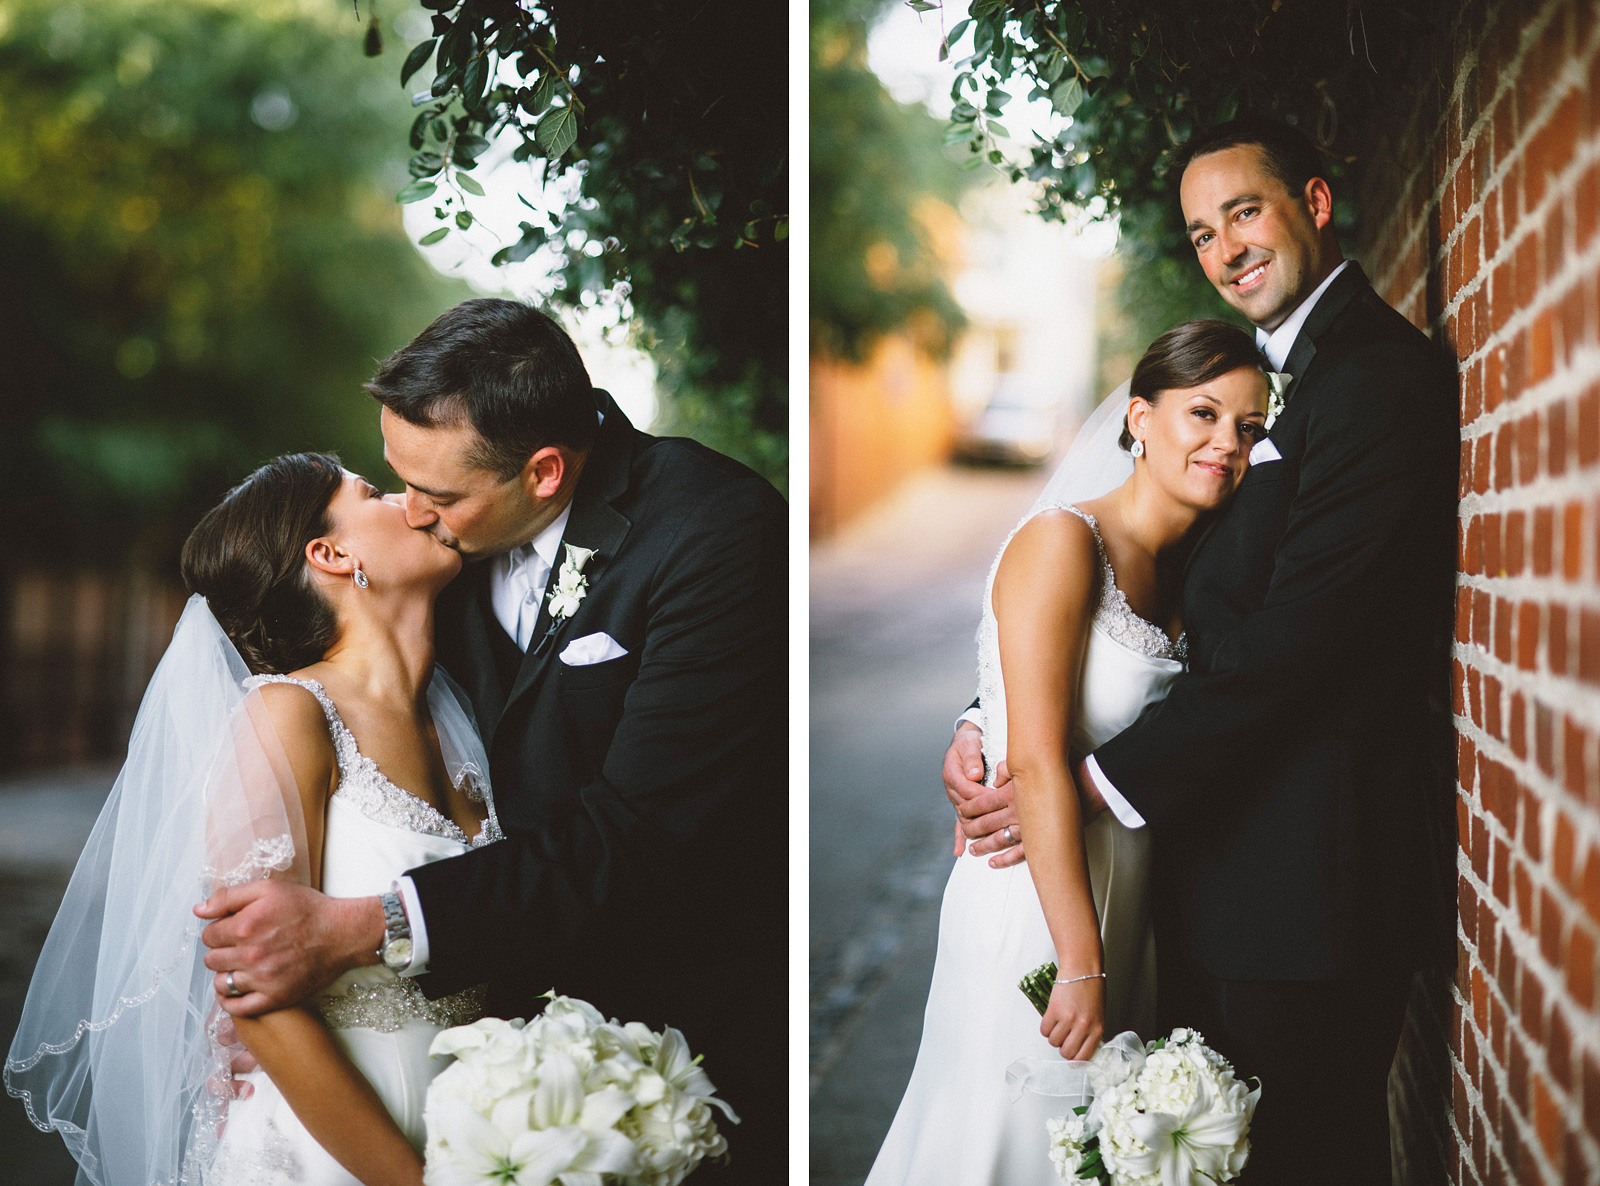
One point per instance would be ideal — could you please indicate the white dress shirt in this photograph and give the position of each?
(1276, 347)
(517, 581)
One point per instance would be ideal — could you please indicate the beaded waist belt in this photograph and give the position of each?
(387, 1005)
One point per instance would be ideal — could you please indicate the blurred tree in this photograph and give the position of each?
(873, 161)
(676, 117)
(200, 258)
(1132, 79)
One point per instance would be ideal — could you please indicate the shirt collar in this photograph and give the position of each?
(1279, 342)
(548, 542)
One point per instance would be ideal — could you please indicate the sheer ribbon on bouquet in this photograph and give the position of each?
(118, 1047)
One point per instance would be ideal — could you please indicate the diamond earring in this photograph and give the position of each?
(1138, 449)
(359, 577)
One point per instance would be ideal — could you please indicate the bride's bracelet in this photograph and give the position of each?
(1075, 979)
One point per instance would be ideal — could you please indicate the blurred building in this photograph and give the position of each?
(1025, 363)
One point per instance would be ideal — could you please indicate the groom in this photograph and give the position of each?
(620, 630)
(1297, 777)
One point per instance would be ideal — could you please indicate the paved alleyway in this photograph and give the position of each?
(894, 605)
(44, 821)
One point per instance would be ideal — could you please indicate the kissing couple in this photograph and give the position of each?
(428, 756)
(1210, 759)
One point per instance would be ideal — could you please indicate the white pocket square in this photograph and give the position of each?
(1264, 450)
(590, 649)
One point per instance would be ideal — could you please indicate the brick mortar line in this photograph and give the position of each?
(1537, 1056)
(1542, 877)
(1516, 679)
(1574, 484)
(1576, 373)
(1530, 34)
(1552, 589)
(1440, 127)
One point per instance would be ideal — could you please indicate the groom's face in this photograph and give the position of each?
(1260, 245)
(458, 502)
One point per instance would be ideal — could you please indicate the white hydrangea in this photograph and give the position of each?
(570, 1099)
(1067, 1137)
(1168, 1114)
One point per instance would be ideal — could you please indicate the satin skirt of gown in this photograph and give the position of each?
(381, 1020)
(956, 1125)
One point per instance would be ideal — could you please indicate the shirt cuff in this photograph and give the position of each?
(1120, 807)
(975, 715)
(407, 889)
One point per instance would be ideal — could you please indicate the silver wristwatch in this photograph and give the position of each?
(396, 950)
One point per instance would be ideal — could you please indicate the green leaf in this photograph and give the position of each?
(415, 192)
(920, 5)
(956, 30)
(1067, 97)
(445, 81)
(474, 80)
(1095, 67)
(471, 145)
(433, 237)
(996, 156)
(544, 94)
(469, 183)
(419, 127)
(963, 112)
(416, 59)
(425, 164)
(780, 230)
(1054, 66)
(998, 129)
(557, 130)
(464, 219)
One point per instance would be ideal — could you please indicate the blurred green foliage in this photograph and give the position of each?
(676, 116)
(874, 267)
(200, 258)
(1132, 79)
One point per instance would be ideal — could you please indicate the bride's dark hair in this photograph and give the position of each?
(1188, 355)
(247, 558)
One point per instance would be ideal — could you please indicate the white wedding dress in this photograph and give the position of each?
(374, 832)
(955, 1125)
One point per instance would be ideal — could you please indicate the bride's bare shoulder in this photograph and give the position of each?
(1056, 547)
(297, 721)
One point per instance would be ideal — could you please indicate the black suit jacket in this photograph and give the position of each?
(1298, 776)
(643, 798)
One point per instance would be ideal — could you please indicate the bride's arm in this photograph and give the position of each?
(323, 1087)
(1043, 603)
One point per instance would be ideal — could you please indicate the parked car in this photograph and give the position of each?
(1020, 425)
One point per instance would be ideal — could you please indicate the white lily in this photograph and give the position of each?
(1277, 391)
(478, 1152)
(1199, 1142)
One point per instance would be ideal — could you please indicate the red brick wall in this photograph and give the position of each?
(1481, 229)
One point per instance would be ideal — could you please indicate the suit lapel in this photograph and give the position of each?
(480, 676)
(1301, 355)
(595, 525)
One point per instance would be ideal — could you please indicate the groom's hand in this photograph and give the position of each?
(982, 813)
(283, 942)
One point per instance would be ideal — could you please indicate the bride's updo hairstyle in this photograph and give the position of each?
(247, 558)
(1188, 355)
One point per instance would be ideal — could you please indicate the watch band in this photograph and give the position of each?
(396, 949)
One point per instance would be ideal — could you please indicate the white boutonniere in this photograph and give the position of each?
(1277, 385)
(570, 584)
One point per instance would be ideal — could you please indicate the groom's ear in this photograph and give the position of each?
(545, 471)
(1319, 202)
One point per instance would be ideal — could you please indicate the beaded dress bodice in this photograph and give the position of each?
(374, 832)
(363, 785)
(1129, 662)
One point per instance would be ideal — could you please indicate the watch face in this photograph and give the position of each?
(397, 953)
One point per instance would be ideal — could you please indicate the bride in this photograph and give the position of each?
(297, 699)
(1080, 631)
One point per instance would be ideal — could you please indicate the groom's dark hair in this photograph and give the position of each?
(1289, 155)
(506, 368)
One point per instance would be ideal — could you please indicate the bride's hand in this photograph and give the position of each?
(1076, 1018)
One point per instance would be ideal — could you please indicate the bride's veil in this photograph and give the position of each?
(117, 1042)
(1094, 464)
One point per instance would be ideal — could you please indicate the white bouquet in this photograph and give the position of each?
(570, 1099)
(1169, 1113)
